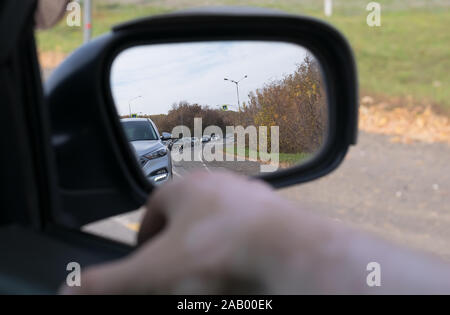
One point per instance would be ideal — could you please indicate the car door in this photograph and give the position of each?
(35, 254)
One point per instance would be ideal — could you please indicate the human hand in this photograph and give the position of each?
(205, 234)
(221, 233)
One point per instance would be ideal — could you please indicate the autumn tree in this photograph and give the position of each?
(296, 103)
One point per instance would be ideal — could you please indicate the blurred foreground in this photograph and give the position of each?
(398, 191)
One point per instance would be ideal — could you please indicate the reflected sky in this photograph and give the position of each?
(194, 72)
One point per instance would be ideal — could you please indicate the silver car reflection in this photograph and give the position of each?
(153, 156)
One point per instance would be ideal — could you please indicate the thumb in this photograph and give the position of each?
(144, 271)
(152, 224)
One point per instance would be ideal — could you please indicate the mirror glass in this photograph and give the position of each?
(247, 106)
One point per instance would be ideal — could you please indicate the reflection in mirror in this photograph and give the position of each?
(247, 106)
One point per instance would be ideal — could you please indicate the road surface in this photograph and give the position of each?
(400, 192)
(197, 160)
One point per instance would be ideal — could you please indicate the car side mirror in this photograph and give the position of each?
(166, 136)
(85, 106)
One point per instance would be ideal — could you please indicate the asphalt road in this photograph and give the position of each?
(400, 192)
(183, 167)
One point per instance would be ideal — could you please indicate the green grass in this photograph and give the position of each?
(66, 39)
(293, 158)
(408, 56)
(284, 158)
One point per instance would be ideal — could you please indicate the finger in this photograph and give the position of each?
(153, 223)
(157, 214)
(148, 270)
(165, 201)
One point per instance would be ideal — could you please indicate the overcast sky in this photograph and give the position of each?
(194, 72)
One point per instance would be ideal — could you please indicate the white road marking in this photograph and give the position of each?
(201, 159)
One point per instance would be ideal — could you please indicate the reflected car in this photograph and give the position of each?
(189, 141)
(153, 156)
(194, 141)
(206, 138)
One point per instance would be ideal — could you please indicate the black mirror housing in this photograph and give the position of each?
(97, 172)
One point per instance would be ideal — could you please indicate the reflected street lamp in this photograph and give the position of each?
(237, 89)
(129, 103)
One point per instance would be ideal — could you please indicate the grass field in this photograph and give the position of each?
(407, 57)
(286, 159)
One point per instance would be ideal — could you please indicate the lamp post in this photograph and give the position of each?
(328, 7)
(237, 89)
(129, 103)
(87, 21)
